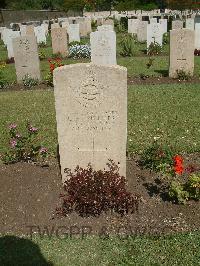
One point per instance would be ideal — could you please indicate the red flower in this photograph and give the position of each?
(178, 165)
(178, 159)
(179, 169)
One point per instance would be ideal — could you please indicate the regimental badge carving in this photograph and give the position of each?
(90, 91)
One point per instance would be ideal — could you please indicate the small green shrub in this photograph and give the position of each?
(158, 157)
(183, 75)
(127, 46)
(119, 26)
(42, 55)
(150, 62)
(42, 45)
(165, 38)
(94, 24)
(182, 192)
(3, 82)
(193, 186)
(57, 55)
(29, 82)
(154, 49)
(23, 147)
(177, 192)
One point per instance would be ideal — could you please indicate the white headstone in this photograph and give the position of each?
(11, 36)
(40, 34)
(103, 47)
(153, 20)
(181, 52)
(163, 23)
(190, 24)
(142, 31)
(197, 36)
(26, 57)
(91, 114)
(154, 34)
(74, 33)
(133, 25)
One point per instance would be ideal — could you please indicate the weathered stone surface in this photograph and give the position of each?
(197, 36)
(190, 24)
(23, 30)
(177, 24)
(133, 25)
(163, 23)
(153, 20)
(55, 25)
(91, 114)
(103, 47)
(30, 30)
(40, 34)
(109, 22)
(59, 41)
(74, 33)
(26, 57)
(9, 42)
(181, 52)
(154, 34)
(142, 31)
(105, 28)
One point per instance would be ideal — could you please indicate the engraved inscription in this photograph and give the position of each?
(92, 121)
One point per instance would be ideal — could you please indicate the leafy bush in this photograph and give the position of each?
(182, 192)
(154, 49)
(42, 45)
(3, 82)
(23, 147)
(150, 62)
(94, 24)
(57, 55)
(127, 46)
(29, 82)
(53, 63)
(119, 26)
(165, 38)
(79, 51)
(159, 157)
(177, 192)
(183, 75)
(124, 22)
(91, 192)
(42, 55)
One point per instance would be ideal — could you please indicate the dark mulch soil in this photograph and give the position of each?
(29, 195)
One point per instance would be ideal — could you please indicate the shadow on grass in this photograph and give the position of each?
(164, 73)
(18, 251)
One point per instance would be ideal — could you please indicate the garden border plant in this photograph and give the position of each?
(24, 147)
(91, 192)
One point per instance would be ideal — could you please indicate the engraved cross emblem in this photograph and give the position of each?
(94, 149)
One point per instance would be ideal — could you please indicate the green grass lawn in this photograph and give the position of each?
(168, 111)
(136, 65)
(180, 249)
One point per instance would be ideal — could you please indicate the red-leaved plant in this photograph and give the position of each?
(91, 192)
